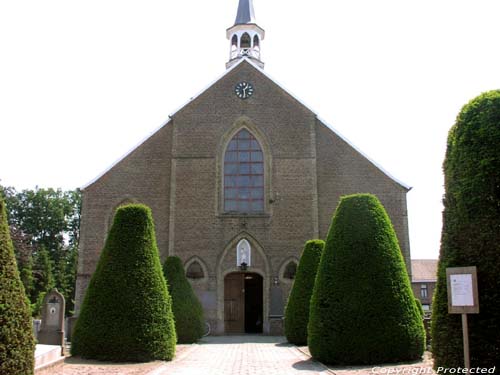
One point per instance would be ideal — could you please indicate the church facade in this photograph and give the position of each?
(237, 180)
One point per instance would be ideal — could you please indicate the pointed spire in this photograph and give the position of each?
(245, 13)
(245, 36)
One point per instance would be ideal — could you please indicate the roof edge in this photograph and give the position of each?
(143, 140)
(378, 166)
(212, 83)
(227, 71)
(373, 162)
(125, 155)
(424, 280)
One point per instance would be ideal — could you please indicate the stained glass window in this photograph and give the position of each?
(243, 174)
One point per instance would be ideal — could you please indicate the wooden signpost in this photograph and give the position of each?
(463, 299)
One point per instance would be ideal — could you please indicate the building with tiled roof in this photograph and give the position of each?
(423, 280)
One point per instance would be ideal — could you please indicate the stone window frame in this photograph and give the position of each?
(244, 122)
(244, 176)
(200, 261)
(287, 271)
(282, 269)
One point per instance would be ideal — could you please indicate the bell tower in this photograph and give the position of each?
(245, 36)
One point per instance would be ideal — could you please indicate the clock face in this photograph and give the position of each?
(243, 90)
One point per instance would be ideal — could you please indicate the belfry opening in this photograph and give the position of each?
(243, 303)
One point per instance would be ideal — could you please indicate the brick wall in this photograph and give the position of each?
(178, 173)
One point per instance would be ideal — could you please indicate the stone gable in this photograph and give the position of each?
(179, 173)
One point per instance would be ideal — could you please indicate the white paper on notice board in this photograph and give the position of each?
(461, 290)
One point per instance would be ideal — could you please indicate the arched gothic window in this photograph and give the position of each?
(243, 174)
(290, 271)
(195, 271)
(256, 47)
(234, 46)
(256, 41)
(245, 41)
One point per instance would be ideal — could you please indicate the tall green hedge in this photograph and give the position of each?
(471, 233)
(297, 308)
(362, 309)
(187, 309)
(126, 314)
(17, 344)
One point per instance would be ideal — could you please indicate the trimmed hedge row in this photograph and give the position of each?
(471, 233)
(187, 309)
(126, 314)
(297, 308)
(362, 309)
(17, 345)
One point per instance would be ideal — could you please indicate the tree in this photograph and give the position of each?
(43, 279)
(17, 344)
(297, 308)
(126, 313)
(45, 219)
(471, 233)
(23, 250)
(362, 309)
(187, 309)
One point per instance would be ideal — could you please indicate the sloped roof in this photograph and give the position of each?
(424, 270)
(249, 61)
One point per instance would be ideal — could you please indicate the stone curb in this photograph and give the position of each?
(50, 365)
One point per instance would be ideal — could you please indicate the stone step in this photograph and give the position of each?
(47, 355)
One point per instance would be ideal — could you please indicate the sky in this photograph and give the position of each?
(83, 82)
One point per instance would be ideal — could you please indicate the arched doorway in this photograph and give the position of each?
(243, 302)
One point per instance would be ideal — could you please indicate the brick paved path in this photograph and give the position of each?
(237, 355)
(242, 355)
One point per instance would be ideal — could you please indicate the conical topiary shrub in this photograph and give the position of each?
(17, 344)
(297, 308)
(471, 235)
(126, 314)
(362, 308)
(187, 309)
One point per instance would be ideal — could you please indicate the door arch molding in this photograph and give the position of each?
(225, 267)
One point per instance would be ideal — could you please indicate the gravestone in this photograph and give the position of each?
(52, 329)
(36, 327)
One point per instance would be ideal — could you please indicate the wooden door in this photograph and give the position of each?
(234, 303)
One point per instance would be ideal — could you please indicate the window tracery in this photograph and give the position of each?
(243, 174)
